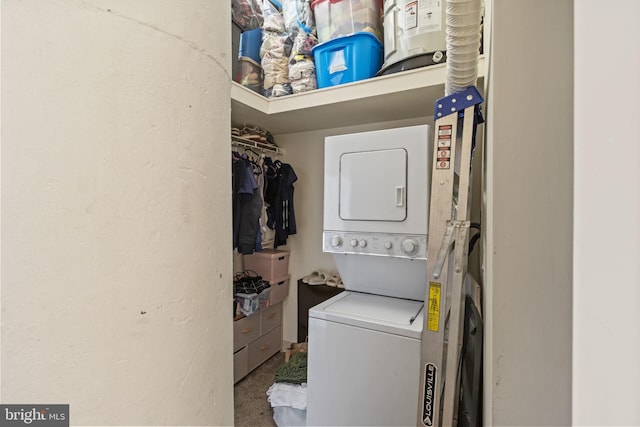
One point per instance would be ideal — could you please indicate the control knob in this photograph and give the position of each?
(336, 242)
(353, 243)
(410, 246)
(363, 243)
(388, 244)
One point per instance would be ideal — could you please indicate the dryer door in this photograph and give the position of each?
(373, 185)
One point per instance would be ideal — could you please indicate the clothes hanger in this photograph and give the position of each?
(250, 151)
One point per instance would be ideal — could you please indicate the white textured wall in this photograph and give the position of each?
(606, 291)
(116, 251)
(528, 218)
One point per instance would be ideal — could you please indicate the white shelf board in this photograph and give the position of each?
(264, 147)
(403, 95)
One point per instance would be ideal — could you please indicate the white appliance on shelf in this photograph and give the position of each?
(364, 344)
(414, 35)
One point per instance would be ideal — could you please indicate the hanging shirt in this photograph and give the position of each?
(279, 196)
(247, 204)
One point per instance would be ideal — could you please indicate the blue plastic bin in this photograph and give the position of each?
(250, 42)
(347, 59)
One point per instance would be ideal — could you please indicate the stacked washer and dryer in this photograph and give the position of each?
(364, 343)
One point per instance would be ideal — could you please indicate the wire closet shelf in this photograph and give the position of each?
(262, 146)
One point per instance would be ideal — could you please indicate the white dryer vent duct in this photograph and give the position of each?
(463, 44)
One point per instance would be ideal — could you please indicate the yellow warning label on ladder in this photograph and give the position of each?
(433, 312)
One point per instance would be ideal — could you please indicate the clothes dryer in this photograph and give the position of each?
(376, 203)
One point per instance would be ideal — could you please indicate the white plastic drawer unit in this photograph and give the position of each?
(378, 181)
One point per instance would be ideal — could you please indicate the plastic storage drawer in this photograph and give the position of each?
(279, 290)
(265, 347)
(271, 264)
(240, 364)
(245, 330)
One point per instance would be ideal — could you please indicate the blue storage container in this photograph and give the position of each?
(347, 59)
(250, 42)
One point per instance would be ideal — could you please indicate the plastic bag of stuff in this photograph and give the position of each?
(247, 14)
(302, 68)
(298, 16)
(275, 51)
(273, 17)
(300, 25)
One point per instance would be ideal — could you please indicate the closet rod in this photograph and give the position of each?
(262, 146)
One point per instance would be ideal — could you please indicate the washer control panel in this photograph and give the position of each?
(380, 244)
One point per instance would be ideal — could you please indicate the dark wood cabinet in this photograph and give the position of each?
(309, 296)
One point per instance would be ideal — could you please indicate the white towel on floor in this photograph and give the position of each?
(286, 394)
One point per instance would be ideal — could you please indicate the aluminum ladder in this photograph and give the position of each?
(456, 118)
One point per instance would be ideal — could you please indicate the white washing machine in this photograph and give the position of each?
(364, 361)
(364, 344)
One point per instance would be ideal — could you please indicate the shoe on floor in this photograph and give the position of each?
(335, 281)
(316, 278)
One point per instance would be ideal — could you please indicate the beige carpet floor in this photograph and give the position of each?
(250, 395)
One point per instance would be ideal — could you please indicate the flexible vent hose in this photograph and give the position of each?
(463, 44)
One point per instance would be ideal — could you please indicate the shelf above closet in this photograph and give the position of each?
(404, 95)
(261, 146)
